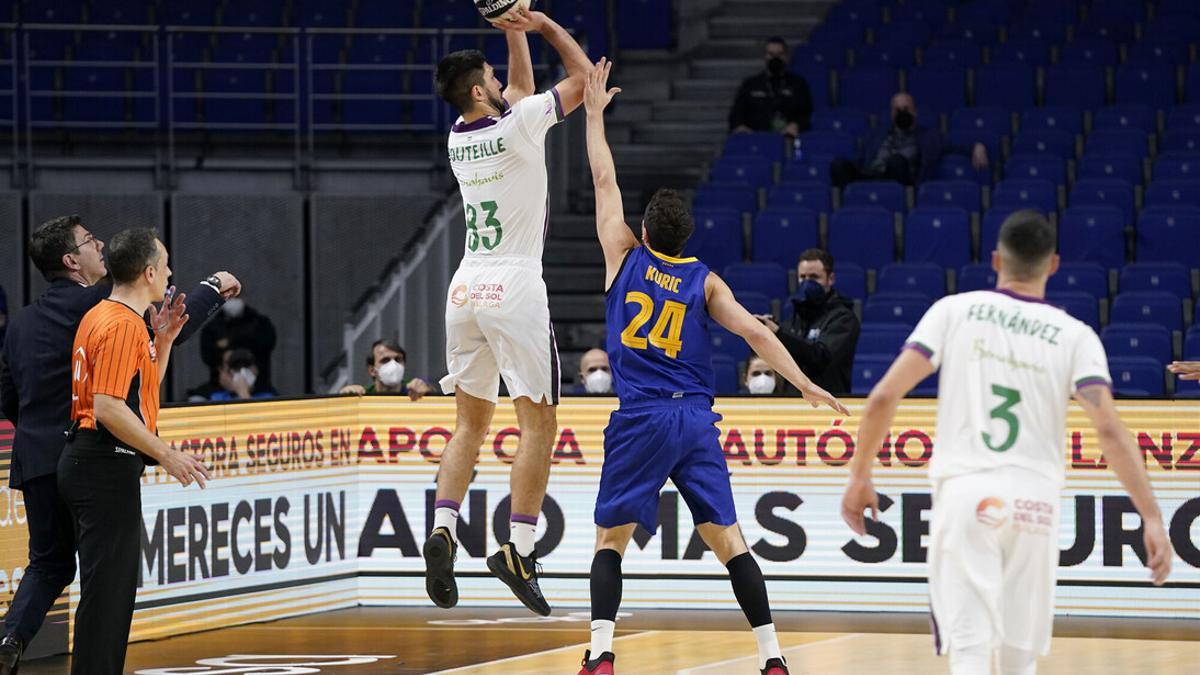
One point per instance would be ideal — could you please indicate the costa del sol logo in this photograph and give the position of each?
(991, 511)
(458, 296)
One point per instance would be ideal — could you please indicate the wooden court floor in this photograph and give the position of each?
(486, 641)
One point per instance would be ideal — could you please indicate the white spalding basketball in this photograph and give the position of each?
(494, 10)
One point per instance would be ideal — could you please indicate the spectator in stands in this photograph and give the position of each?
(823, 332)
(773, 100)
(238, 376)
(760, 377)
(237, 326)
(905, 152)
(595, 376)
(3, 316)
(385, 365)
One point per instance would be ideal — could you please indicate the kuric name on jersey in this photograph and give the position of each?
(1013, 322)
(666, 281)
(477, 151)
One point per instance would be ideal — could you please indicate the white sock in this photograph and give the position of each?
(448, 518)
(973, 660)
(523, 536)
(768, 644)
(1015, 661)
(602, 634)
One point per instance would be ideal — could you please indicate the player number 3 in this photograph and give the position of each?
(474, 239)
(666, 330)
(1004, 413)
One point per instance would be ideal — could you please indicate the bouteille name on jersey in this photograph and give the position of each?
(477, 151)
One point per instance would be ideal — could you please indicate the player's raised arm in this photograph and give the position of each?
(615, 237)
(728, 312)
(520, 68)
(1122, 454)
(570, 90)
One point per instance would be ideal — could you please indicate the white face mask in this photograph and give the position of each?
(598, 382)
(234, 307)
(246, 375)
(761, 384)
(391, 374)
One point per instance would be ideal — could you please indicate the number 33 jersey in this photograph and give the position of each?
(1009, 366)
(500, 165)
(657, 328)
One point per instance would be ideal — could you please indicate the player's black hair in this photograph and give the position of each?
(668, 223)
(50, 242)
(817, 254)
(131, 252)
(391, 345)
(1026, 242)
(777, 40)
(240, 358)
(456, 74)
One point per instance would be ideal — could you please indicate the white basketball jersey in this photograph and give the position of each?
(1009, 365)
(500, 164)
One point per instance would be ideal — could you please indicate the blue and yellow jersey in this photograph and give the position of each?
(657, 321)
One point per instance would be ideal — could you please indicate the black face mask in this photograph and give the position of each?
(776, 66)
(904, 120)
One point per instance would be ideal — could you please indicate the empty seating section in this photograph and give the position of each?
(1090, 113)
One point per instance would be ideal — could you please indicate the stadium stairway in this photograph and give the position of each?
(665, 129)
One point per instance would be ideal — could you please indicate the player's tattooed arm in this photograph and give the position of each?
(520, 68)
(616, 239)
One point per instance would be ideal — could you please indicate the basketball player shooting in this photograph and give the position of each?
(497, 315)
(658, 310)
(1008, 363)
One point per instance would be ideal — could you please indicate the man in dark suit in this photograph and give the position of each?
(35, 395)
(903, 151)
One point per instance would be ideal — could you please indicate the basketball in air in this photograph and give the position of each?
(494, 10)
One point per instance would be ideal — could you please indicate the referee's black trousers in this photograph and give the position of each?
(101, 484)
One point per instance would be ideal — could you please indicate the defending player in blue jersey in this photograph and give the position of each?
(658, 310)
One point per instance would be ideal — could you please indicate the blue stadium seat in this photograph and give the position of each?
(939, 88)
(764, 144)
(1045, 141)
(107, 46)
(819, 78)
(1168, 233)
(52, 12)
(1125, 116)
(718, 240)
(990, 12)
(1174, 192)
(1110, 28)
(1183, 116)
(780, 235)
(842, 120)
(725, 373)
(976, 277)
(1136, 376)
(809, 194)
(1082, 306)
(727, 344)
(253, 14)
(1089, 50)
(737, 196)
(1111, 165)
(1104, 191)
(882, 338)
(833, 143)
(1043, 166)
(938, 234)
(959, 167)
(895, 56)
(1064, 118)
(1150, 84)
(982, 33)
(1079, 85)
(757, 172)
(986, 119)
(117, 13)
(1012, 86)
(1085, 277)
(867, 370)
(924, 278)
(1045, 30)
(1117, 11)
(1137, 339)
(372, 113)
(245, 48)
(1124, 141)
(1030, 51)
(372, 81)
(1191, 344)
(1177, 165)
(904, 32)
(812, 168)
(896, 308)
(863, 235)
(1182, 140)
(964, 138)
(381, 49)
(755, 303)
(1162, 49)
(867, 88)
(1191, 85)
(887, 194)
(93, 79)
(956, 52)
(826, 56)
(931, 14)
(322, 15)
(961, 193)
(766, 278)
(1026, 193)
(1170, 277)
(1148, 306)
(1093, 232)
(850, 279)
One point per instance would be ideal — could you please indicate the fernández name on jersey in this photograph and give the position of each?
(1014, 322)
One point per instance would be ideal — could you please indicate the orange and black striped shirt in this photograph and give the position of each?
(114, 355)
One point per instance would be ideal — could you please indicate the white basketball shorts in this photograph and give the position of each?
(498, 325)
(993, 556)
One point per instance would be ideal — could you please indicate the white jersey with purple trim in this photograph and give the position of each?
(1009, 366)
(500, 164)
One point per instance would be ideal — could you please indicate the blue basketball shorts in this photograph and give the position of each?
(646, 443)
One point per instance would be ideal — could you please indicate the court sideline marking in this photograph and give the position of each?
(581, 645)
(697, 670)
